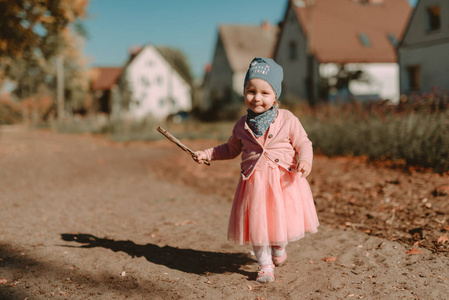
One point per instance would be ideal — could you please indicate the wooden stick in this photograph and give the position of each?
(169, 136)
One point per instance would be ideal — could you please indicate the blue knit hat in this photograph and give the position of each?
(268, 70)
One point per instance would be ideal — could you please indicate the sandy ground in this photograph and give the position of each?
(84, 218)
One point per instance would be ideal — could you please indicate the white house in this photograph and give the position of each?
(320, 39)
(236, 46)
(424, 49)
(150, 86)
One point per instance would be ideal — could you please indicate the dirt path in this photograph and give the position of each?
(85, 218)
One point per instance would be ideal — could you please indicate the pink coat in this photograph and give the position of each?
(285, 138)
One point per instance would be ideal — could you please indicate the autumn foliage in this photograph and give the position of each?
(33, 24)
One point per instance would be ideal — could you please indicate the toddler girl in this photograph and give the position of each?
(273, 204)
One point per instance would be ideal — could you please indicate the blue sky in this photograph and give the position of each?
(189, 25)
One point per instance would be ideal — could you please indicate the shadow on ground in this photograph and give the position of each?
(185, 260)
(29, 278)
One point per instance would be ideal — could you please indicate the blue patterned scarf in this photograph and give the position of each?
(259, 123)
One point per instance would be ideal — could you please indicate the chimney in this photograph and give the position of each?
(266, 26)
(134, 50)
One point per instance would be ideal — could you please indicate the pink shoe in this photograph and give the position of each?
(280, 260)
(266, 274)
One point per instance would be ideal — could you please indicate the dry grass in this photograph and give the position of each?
(415, 134)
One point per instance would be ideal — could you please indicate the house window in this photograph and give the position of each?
(364, 39)
(414, 82)
(433, 18)
(161, 103)
(292, 51)
(159, 80)
(145, 81)
(393, 40)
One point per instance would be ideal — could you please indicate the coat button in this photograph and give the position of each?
(270, 136)
(276, 160)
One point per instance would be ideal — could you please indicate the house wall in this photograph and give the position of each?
(427, 50)
(219, 86)
(238, 80)
(433, 63)
(295, 69)
(116, 102)
(383, 80)
(417, 32)
(156, 88)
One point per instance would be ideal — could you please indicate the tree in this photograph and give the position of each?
(32, 34)
(341, 80)
(29, 25)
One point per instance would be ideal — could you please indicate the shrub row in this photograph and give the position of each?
(418, 138)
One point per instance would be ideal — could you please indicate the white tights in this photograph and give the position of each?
(264, 253)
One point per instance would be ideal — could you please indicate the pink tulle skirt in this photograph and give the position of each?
(273, 207)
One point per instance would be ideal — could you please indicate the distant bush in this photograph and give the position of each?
(123, 130)
(10, 112)
(418, 137)
(415, 132)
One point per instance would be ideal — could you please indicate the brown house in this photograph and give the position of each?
(103, 83)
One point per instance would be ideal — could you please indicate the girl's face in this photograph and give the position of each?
(259, 95)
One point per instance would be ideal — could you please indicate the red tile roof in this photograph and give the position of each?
(104, 78)
(334, 28)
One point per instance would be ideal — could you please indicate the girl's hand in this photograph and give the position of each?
(304, 167)
(200, 157)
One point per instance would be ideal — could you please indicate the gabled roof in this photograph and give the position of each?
(407, 27)
(244, 42)
(344, 31)
(104, 78)
(136, 51)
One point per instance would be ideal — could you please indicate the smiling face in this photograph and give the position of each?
(259, 95)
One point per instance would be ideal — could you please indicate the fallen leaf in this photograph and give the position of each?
(443, 239)
(329, 258)
(380, 245)
(3, 281)
(414, 251)
(184, 223)
(441, 190)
